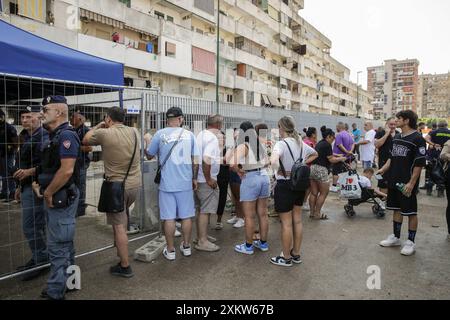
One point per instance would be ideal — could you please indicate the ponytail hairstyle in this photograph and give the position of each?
(310, 131)
(288, 125)
(326, 132)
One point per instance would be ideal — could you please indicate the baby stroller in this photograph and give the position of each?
(367, 196)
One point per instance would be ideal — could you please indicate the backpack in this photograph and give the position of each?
(300, 172)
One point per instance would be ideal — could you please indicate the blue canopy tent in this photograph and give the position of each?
(25, 54)
(32, 67)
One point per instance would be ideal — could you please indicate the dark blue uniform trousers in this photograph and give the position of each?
(33, 224)
(61, 251)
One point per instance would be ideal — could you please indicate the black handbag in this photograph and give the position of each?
(437, 173)
(157, 179)
(112, 194)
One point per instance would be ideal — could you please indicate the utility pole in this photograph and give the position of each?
(217, 56)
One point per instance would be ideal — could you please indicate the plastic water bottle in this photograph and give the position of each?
(401, 188)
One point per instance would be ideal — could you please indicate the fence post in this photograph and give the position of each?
(143, 211)
(158, 116)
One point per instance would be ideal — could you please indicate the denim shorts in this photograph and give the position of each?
(255, 185)
(176, 205)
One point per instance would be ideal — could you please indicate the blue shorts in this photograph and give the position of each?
(255, 185)
(176, 205)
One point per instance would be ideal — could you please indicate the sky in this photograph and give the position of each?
(364, 33)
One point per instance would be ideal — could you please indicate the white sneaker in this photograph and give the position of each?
(306, 207)
(409, 248)
(177, 233)
(232, 220)
(185, 251)
(391, 241)
(169, 255)
(239, 223)
(219, 226)
(334, 189)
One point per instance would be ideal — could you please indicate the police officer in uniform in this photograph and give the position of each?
(33, 214)
(58, 179)
(77, 121)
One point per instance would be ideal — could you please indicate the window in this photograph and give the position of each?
(170, 49)
(169, 18)
(160, 15)
(126, 2)
(229, 98)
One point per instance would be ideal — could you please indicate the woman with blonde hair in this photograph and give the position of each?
(288, 203)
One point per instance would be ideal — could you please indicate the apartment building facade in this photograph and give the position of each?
(269, 55)
(394, 87)
(434, 95)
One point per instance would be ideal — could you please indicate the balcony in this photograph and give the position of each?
(252, 34)
(204, 41)
(174, 31)
(243, 83)
(182, 4)
(285, 30)
(285, 94)
(118, 52)
(251, 60)
(227, 23)
(272, 91)
(310, 101)
(308, 82)
(260, 87)
(273, 69)
(331, 91)
(285, 52)
(251, 10)
(227, 52)
(227, 80)
(286, 10)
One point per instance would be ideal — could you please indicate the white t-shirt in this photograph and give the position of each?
(365, 182)
(285, 156)
(368, 150)
(208, 145)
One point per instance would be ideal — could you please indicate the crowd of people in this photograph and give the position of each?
(195, 174)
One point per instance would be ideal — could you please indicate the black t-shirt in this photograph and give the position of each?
(83, 159)
(324, 150)
(385, 150)
(407, 153)
(439, 136)
(7, 134)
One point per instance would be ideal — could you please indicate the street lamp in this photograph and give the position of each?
(358, 107)
(217, 55)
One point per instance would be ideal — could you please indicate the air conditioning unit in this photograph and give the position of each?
(145, 37)
(144, 73)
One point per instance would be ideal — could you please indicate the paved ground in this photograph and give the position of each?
(336, 255)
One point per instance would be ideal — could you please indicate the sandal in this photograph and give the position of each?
(322, 217)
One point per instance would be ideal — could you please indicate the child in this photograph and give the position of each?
(365, 182)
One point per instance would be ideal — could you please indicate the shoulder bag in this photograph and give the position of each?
(112, 195)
